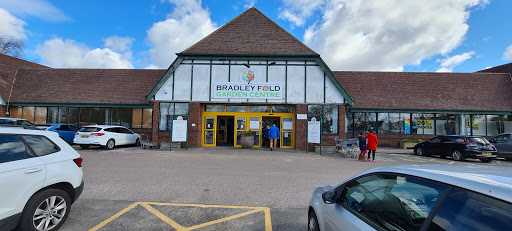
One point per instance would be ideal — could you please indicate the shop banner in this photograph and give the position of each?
(314, 131)
(424, 124)
(228, 90)
(179, 130)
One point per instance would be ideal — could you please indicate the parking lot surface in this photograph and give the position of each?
(130, 188)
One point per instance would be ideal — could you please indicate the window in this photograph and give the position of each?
(170, 111)
(465, 210)
(422, 124)
(497, 124)
(29, 113)
(329, 115)
(364, 121)
(214, 108)
(259, 109)
(236, 108)
(41, 145)
(282, 109)
(391, 201)
(12, 148)
(502, 138)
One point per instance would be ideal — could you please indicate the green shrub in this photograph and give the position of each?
(411, 141)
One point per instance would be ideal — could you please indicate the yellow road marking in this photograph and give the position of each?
(163, 217)
(451, 162)
(224, 219)
(114, 217)
(147, 206)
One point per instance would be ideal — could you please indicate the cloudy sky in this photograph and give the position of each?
(380, 35)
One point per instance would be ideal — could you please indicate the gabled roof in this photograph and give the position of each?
(84, 86)
(8, 67)
(427, 90)
(505, 68)
(250, 34)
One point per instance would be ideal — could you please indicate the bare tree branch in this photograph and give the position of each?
(11, 46)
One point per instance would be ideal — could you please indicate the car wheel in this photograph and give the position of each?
(84, 146)
(313, 222)
(486, 160)
(46, 210)
(110, 144)
(137, 142)
(419, 152)
(457, 155)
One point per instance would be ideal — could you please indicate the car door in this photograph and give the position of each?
(66, 133)
(123, 137)
(130, 136)
(430, 147)
(503, 144)
(384, 201)
(21, 174)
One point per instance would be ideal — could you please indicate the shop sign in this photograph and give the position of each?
(228, 90)
(179, 130)
(247, 88)
(424, 124)
(475, 124)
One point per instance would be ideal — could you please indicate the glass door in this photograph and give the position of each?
(255, 129)
(222, 130)
(209, 136)
(287, 133)
(241, 128)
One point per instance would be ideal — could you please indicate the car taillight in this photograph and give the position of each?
(76, 133)
(97, 134)
(78, 161)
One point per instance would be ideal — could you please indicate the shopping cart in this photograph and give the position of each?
(347, 147)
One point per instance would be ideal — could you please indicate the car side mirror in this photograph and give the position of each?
(492, 140)
(329, 197)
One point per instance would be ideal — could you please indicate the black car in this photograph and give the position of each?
(458, 147)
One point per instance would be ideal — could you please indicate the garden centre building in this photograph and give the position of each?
(250, 73)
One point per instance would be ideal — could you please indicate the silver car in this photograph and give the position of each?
(417, 197)
(503, 144)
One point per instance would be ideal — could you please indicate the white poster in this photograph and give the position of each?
(179, 130)
(254, 124)
(314, 131)
(302, 116)
(287, 124)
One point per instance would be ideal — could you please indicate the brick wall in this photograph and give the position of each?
(301, 129)
(2, 111)
(194, 132)
(393, 140)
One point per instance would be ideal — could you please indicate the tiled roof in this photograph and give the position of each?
(90, 86)
(505, 68)
(250, 33)
(424, 90)
(8, 67)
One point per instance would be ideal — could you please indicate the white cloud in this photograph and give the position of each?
(449, 63)
(508, 53)
(187, 24)
(249, 3)
(120, 44)
(61, 53)
(388, 34)
(298, 11)
(37, 8)
(11, 26)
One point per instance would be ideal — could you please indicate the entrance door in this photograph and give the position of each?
(225, 130)
(287, 136)
(209, 135)
(241, 128)
(270, 120)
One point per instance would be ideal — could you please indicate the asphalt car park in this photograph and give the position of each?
(130, 188)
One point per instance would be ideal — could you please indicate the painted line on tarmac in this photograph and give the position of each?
(148, 207)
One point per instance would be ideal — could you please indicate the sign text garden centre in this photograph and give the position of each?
(227, 90)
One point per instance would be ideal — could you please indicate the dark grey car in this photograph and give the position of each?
(503, 143)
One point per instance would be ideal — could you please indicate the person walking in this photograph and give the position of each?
(273, 134)
(372, 144)
(362, 146)
(266, 142)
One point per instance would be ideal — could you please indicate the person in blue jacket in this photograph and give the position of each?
(273, 134)
(362, 146)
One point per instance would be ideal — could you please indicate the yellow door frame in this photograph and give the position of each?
(246, 127)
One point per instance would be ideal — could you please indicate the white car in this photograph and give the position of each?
(40, 177)
(107, 136)
(417, 197)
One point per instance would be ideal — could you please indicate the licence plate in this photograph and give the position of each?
(84, 136)
(487, 153)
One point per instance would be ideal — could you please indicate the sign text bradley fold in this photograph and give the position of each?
(228, 90)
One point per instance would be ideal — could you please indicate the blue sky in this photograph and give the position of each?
(366, 35)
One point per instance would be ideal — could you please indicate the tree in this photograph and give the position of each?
(11, 46)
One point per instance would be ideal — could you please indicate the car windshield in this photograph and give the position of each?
(90, 129)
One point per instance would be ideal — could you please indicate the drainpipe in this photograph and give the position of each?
(10, 93)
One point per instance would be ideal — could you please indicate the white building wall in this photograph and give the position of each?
(182, 82)
(201, 83)
(315, 84)
(220, 73)
(165, 92)
(296, 84)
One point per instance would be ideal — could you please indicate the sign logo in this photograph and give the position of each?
(247, 76)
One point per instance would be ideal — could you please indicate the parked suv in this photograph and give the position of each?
(40, 177)
(458, 147)
(107, 136)
(417, 197)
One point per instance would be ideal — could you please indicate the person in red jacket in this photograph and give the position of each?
(372, 144)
